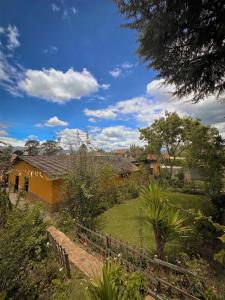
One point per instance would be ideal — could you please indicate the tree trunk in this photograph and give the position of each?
(160, 245)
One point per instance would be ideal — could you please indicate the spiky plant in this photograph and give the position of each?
(105, 288)
(168, 223)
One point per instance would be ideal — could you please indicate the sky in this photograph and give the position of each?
(67, 67)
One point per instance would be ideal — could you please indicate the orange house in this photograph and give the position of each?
(41, 177)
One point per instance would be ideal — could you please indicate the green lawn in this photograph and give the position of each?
(124, 220)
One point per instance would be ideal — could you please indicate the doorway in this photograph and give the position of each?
(16, 186)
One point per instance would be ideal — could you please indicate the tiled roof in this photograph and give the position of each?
(60, 165)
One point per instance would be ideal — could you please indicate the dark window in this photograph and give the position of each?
(16, 185)
(26, 184)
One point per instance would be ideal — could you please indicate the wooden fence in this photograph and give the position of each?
(61, 254)
(163, 277)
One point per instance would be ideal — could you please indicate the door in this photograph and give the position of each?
(16, 186)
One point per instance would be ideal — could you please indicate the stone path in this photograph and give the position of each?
(78, 257)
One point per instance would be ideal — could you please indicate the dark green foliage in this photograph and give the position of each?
(23, 242)
(50, 148)
(5, 207)
(5, 162)
(183, 40)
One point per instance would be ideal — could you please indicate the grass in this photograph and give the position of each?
(125, 222)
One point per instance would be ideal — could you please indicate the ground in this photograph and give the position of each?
(125, 222)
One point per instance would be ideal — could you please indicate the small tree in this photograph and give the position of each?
(168, 224)
(32, 147)
(167, 134)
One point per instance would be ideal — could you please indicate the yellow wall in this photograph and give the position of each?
(39, 183)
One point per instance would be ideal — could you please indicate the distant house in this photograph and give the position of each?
(41, 177)
(157, 167)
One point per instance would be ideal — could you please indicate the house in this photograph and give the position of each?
(41, 177)
(157, 167)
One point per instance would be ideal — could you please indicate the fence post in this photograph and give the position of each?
(67, 263)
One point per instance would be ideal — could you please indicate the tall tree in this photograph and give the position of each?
(50, 148)
(167, 135)
(5, 162)
(183, 40)
(32, 147)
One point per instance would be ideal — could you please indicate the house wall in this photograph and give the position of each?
(39, 183)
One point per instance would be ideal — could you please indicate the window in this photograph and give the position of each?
(26, 184)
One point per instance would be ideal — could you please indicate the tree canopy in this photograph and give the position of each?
(201, 145)
(183, 40)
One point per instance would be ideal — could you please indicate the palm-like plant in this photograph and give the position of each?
(105, 288)
(168, 223)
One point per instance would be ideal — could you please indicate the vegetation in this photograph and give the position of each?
(183, 40)
(199, 145)
(32, 147)
(117, 285)
(50, 148)
(168, 223)
(125, 220)
(90, 188)
(5, 162)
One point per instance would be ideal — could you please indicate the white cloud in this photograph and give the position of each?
(12, 141)
(72, 138)
(116, 72)
(107, 113)
(127, 65)
(93, 120)
(51, 50)
(57, 86)
(55, 121)
(105, 86)
(12, 34)
(55, 8)
(104, 138)
(73, 9)
(158, 99)
(52, 122)
(3, 132)
(123, 69)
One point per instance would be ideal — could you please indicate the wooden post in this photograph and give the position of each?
(67, 264)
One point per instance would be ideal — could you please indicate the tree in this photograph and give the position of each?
(183, 40)
(50, 148)
(167, 222)
(5, 162)
(167, 134)
(206, 151)
(32, 147)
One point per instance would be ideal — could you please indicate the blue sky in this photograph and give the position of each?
(68, 66)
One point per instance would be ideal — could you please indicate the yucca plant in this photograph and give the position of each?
(168, 223)
(105, 288)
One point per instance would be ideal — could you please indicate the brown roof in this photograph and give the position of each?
(60, 165)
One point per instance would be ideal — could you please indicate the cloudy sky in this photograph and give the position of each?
(66, 66)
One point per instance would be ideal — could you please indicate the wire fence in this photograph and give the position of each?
(163, 277)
